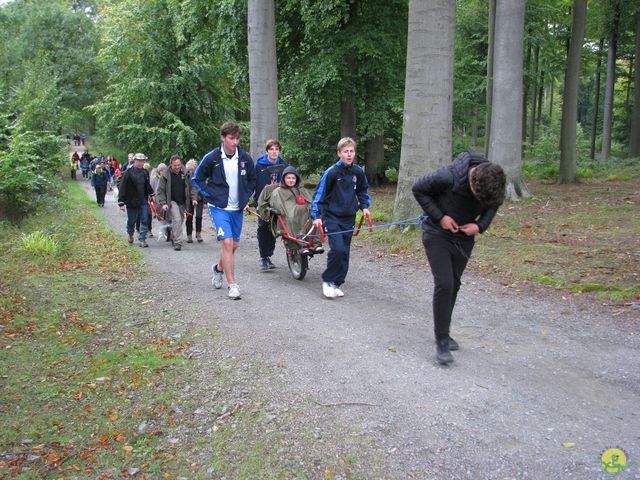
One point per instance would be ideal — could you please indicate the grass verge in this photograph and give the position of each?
(101, 379)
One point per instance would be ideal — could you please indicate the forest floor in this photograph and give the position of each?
(178, 381)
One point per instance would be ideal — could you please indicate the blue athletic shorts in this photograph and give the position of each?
(228, 223)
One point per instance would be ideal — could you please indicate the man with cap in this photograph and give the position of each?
(134, 191)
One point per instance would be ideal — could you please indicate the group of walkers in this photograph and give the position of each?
(459, 201)
(103, 172)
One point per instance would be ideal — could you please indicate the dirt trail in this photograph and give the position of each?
(541, 386)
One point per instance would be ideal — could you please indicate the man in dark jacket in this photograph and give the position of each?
(175, 194)
(226, 179)
(269, 168)
(134, 192)
(460, 201)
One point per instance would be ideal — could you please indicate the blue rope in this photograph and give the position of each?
(409, 221)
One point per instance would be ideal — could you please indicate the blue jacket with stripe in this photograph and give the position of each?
(341, 192)
(210, 180)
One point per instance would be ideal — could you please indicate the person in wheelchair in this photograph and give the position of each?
(292, 202)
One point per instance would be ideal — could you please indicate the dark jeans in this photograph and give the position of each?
(266, 240)
(447, 258)
(138, 215)
(195, 211)
(339, 248)
(101, 191)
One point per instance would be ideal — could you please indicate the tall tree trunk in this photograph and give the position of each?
(540, 99)
(596, 102)
(551, 89)
(570, 100)
(347, 118)
(474, 128)
(607, 119)
(506, 120)
(525, 95)
(428, 99)
(487, 121)
(627, 104)
(263, 74)
(534, 93)
(634, 136)
(374, 158)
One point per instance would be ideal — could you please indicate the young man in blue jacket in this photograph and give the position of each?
(225, 178)
(342, 191)
(460, 201)
(269, 169)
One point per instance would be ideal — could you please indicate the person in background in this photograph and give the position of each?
(74, 164)
(175, 194)
(100, 181)
(133, 193)
(194, 210)
(269, 168)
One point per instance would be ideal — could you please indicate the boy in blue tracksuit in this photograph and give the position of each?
(225, 179)
(342, 191)
(269, 169)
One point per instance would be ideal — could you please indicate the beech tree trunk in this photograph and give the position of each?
(506, 120)
(607, 119)
(596, 103)
(428, 99)
(570, 101)
(487, 122)
(263, 74)
(347, 118)
(374, 158)
(534, 93)
(634, 136)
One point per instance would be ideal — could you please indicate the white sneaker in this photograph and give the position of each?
(216, 280)
(328, 290)
(234, 291)
(339, 293)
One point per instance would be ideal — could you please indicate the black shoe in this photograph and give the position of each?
(270, 264)
(453, 345)
(443, 355)
(143, 244)
(177, 247)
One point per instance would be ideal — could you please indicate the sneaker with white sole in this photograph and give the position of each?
(328, 290)
(216, 280)
(336, 288)
(234, 291)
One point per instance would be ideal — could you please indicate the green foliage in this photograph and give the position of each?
(334, 51)
(391, 174)
(29, 171)
(39, 245)
(47, 46)
(169, 89)
(543, 157)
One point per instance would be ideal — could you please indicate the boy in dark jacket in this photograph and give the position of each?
(460, 200)
(269, 169)
(342, 191)
(99, 181)
(226, 179)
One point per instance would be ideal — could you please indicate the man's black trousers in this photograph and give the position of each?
(447, 258)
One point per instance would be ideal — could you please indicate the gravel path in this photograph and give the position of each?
(540, 387)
